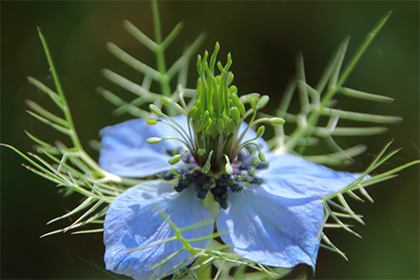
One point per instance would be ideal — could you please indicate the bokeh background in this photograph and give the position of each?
(264, 38)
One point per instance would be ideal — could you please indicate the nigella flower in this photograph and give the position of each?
(271, 210)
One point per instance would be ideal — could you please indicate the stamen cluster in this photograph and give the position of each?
(214, 138)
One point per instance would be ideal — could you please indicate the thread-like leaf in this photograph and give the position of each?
(134, 63)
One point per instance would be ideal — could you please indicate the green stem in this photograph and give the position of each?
(60, 91)
(156, 22)
(211, 205)
(204, 272)
(65, 108)
(160, 56)
(369, 38)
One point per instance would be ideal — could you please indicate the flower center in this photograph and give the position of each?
(242, 177)
(215, 135)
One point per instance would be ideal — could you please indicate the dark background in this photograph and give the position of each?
(264, 38)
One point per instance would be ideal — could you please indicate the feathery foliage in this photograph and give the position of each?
(75, 171)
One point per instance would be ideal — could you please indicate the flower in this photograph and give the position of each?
(275, 217)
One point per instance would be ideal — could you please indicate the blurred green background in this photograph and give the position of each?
(264, 38)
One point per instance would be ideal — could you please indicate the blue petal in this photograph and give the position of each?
(270, 229)
(294, 177)
(133, 221)
(124, 150)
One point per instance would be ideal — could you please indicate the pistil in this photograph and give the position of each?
(217, 115)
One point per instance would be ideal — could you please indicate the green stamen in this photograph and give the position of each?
(154, 140)
(176, 158)
(206, 167)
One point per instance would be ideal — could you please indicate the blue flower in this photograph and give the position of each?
(276, 221)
